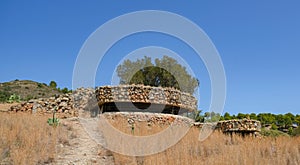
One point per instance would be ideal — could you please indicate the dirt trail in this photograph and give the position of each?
(81, 149)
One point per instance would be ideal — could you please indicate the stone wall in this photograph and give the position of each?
(146, 94)
(244, 125)
(236, 125)
(65, 105)
(149, 118)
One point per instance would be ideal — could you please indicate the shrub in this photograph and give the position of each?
(40, 85)
(53, 84)
(13, 98)
(65, 90)
(274, 127)
(272, 133)
(53, 121)
(4, 96)
(296, 132)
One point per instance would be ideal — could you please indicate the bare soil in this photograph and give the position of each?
(80, 148)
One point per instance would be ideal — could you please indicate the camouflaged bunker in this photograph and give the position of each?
(139, 98)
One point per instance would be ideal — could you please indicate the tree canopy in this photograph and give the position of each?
(53, 84)
(165, 72)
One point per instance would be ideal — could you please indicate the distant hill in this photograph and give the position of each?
(26, 89)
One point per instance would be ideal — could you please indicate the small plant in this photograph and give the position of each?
(13, 98)
(40, 85)
(53, 121)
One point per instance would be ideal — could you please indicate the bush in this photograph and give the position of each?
(4, 96)
(40, 85)
(296, 132)
(274, 127)
(13, 98)
(53, 84)
(272, 133)
(65, 90)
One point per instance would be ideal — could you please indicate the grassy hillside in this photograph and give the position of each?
(26, 89)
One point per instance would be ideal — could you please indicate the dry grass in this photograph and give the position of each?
(217, 149)
(27, 139)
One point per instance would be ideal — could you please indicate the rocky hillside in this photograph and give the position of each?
(26, 89)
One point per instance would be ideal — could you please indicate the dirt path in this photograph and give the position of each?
(81, 149)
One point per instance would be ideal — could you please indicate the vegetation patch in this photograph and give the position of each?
(26, 90)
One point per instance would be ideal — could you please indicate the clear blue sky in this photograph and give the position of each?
(258, 41)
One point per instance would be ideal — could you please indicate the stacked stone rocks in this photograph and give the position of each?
(150, 118)
(244, 125)
(145, 94)
(59, 103)
(82, 97)
(240, 126)
(65, 105)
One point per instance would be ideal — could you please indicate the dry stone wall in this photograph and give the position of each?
(228, 126)
(145, 94)
(244, 125)
(236, 125)
(150, 118)
(65, 105)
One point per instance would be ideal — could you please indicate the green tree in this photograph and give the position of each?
(274, 126)
(212, 116)
(266, 118)
(297, 120)
(253, 116)
(227, 116)
(53, 84)
(198, 116)
(65, 90)
(207, 115)
(280, 119)
(241, 116)
(165, 72)
(215, 117)
(288, 119)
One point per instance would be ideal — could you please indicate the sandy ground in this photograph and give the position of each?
(81, 149)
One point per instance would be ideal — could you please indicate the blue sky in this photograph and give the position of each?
(258, 41)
